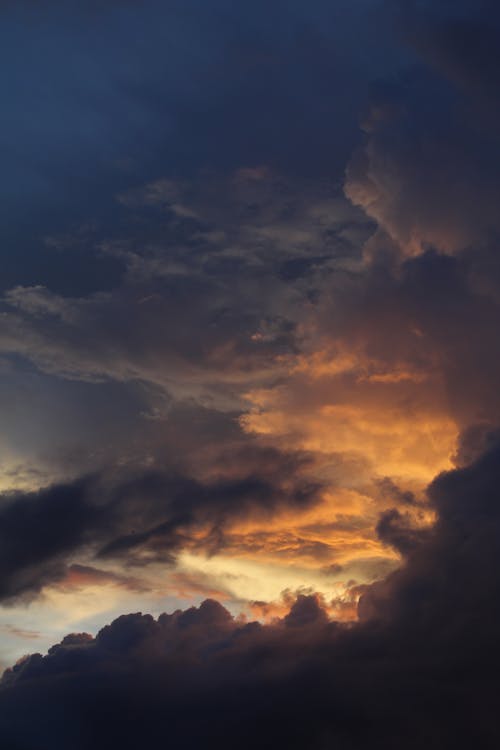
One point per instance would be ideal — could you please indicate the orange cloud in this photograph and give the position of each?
(84, 576)
(393, 418)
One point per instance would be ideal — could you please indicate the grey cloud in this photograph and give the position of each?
(138, 517)
(419, 669)
(428, 172)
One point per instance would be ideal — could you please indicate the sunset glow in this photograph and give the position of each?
(249, 375)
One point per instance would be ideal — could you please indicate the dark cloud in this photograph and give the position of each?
(305, 611)
(139, 518)
(398, 531)
(390, 490)
(208, 254)
(37, 531)
(428, 172)
(420, 669)
(460, 42)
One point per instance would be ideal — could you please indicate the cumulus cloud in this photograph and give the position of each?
(419, 669)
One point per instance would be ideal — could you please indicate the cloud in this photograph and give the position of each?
(421, 664)
(242, 253)
(427, 172)
(279, 399)
(80, 576)
(38, 530)
(244, 315)
(141, 518)
(398, 531)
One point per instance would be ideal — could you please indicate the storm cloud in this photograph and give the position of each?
(418, 669)
(249, 366)
(141, 519)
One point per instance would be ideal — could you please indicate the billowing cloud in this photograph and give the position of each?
(230, 372)
(427, 172)
(420, 664)
(142, 518)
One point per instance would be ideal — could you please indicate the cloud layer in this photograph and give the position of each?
(233, 367)
(419, 668)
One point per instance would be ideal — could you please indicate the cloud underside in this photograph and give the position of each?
(420, 665)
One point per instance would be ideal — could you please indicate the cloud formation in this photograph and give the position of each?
(220, 378)
(141, 518)
(418, 669)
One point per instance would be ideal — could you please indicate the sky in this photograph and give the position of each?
(249, 367)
